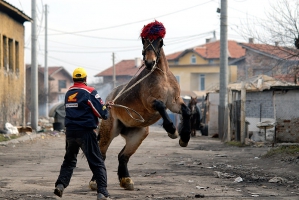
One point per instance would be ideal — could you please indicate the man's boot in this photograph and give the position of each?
(59, 190)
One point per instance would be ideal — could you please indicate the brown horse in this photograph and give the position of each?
(149, 94)
(195, 116)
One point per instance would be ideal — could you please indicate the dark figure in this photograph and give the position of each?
(195, 116)
(83, 106)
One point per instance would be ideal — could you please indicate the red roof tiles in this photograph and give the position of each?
(211, 50)
(123, 68)
(277, 51)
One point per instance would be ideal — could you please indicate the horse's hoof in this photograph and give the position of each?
(173, 136)
(127, 183)
(93, 185)
(183, 144)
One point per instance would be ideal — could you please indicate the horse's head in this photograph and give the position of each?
(193, 101)
(151, 51)
(152, 39)
(192, 104)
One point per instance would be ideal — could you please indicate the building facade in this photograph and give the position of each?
(198, 68)
(12, 68)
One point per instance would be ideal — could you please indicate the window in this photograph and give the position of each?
(17, 61)
(178, 79)
(61, 84)
(10, 55)
(193, 59)
(61, 97)
(4, 51)
(201, 82)
(211, 61)
(262, 71)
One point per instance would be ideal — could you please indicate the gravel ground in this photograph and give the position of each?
(161, 169)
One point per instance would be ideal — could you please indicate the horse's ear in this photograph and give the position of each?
(161, 43)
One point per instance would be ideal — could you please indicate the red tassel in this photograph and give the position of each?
(153, 30)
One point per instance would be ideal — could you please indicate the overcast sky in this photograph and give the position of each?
(85, 33)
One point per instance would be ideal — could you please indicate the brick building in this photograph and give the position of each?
(271, 60)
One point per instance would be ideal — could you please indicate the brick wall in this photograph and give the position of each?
(256, 64)
(287, 115)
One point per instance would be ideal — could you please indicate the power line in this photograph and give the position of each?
(134, 48)
(116, 26)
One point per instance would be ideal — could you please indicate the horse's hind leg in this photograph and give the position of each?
(167, 123)
(133, 137)
(185, 126)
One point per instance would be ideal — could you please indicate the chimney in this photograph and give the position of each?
(276, 44)
(137, 62)
(251, 40)
(208, 40)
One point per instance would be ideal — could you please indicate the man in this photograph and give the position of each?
(83, 106)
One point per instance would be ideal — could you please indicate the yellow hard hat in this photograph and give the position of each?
(79, 73)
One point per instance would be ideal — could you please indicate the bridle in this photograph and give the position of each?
(157, 52)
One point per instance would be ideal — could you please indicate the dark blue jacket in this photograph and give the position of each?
(83, 107)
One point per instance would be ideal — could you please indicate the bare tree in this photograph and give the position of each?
(281, 25)
(279, 31)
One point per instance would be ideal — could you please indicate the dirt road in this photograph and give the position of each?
(206, 169)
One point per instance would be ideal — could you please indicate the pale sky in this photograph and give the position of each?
(85, 33)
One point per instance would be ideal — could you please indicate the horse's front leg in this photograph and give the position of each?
(185, 126)
(133, 137)
(167, 123)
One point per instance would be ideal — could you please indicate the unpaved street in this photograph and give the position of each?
(161, 169)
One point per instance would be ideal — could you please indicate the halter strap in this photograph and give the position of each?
(151, 44)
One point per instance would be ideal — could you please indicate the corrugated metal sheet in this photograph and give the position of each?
(256, 83)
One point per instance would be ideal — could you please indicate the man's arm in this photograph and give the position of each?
(97, 105)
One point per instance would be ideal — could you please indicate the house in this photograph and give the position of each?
(123, 70)
(272, 60)
(59, 82)
(266, 100)
(12, 68)
(198, 68)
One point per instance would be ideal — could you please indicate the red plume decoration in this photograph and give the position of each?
(153, 30)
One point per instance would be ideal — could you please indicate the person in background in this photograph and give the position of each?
(84, 107)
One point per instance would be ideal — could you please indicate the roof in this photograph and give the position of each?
(211, 50)
(277, 52)
(52, 70)
(259, 83)
(287, 77)
(122, 68)
(13, 12)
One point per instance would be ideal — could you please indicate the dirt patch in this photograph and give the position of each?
(160, 169)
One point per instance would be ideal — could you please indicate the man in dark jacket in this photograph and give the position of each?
(84, 107)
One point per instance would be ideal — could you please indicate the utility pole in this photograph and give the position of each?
(113, 62)
(34, 77)
(223, 70)
(46, 78)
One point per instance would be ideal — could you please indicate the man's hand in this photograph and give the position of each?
(109, 103)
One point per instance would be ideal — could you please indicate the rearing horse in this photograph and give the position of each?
(150, 93)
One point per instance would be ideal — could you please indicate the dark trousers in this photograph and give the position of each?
(86, 140)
